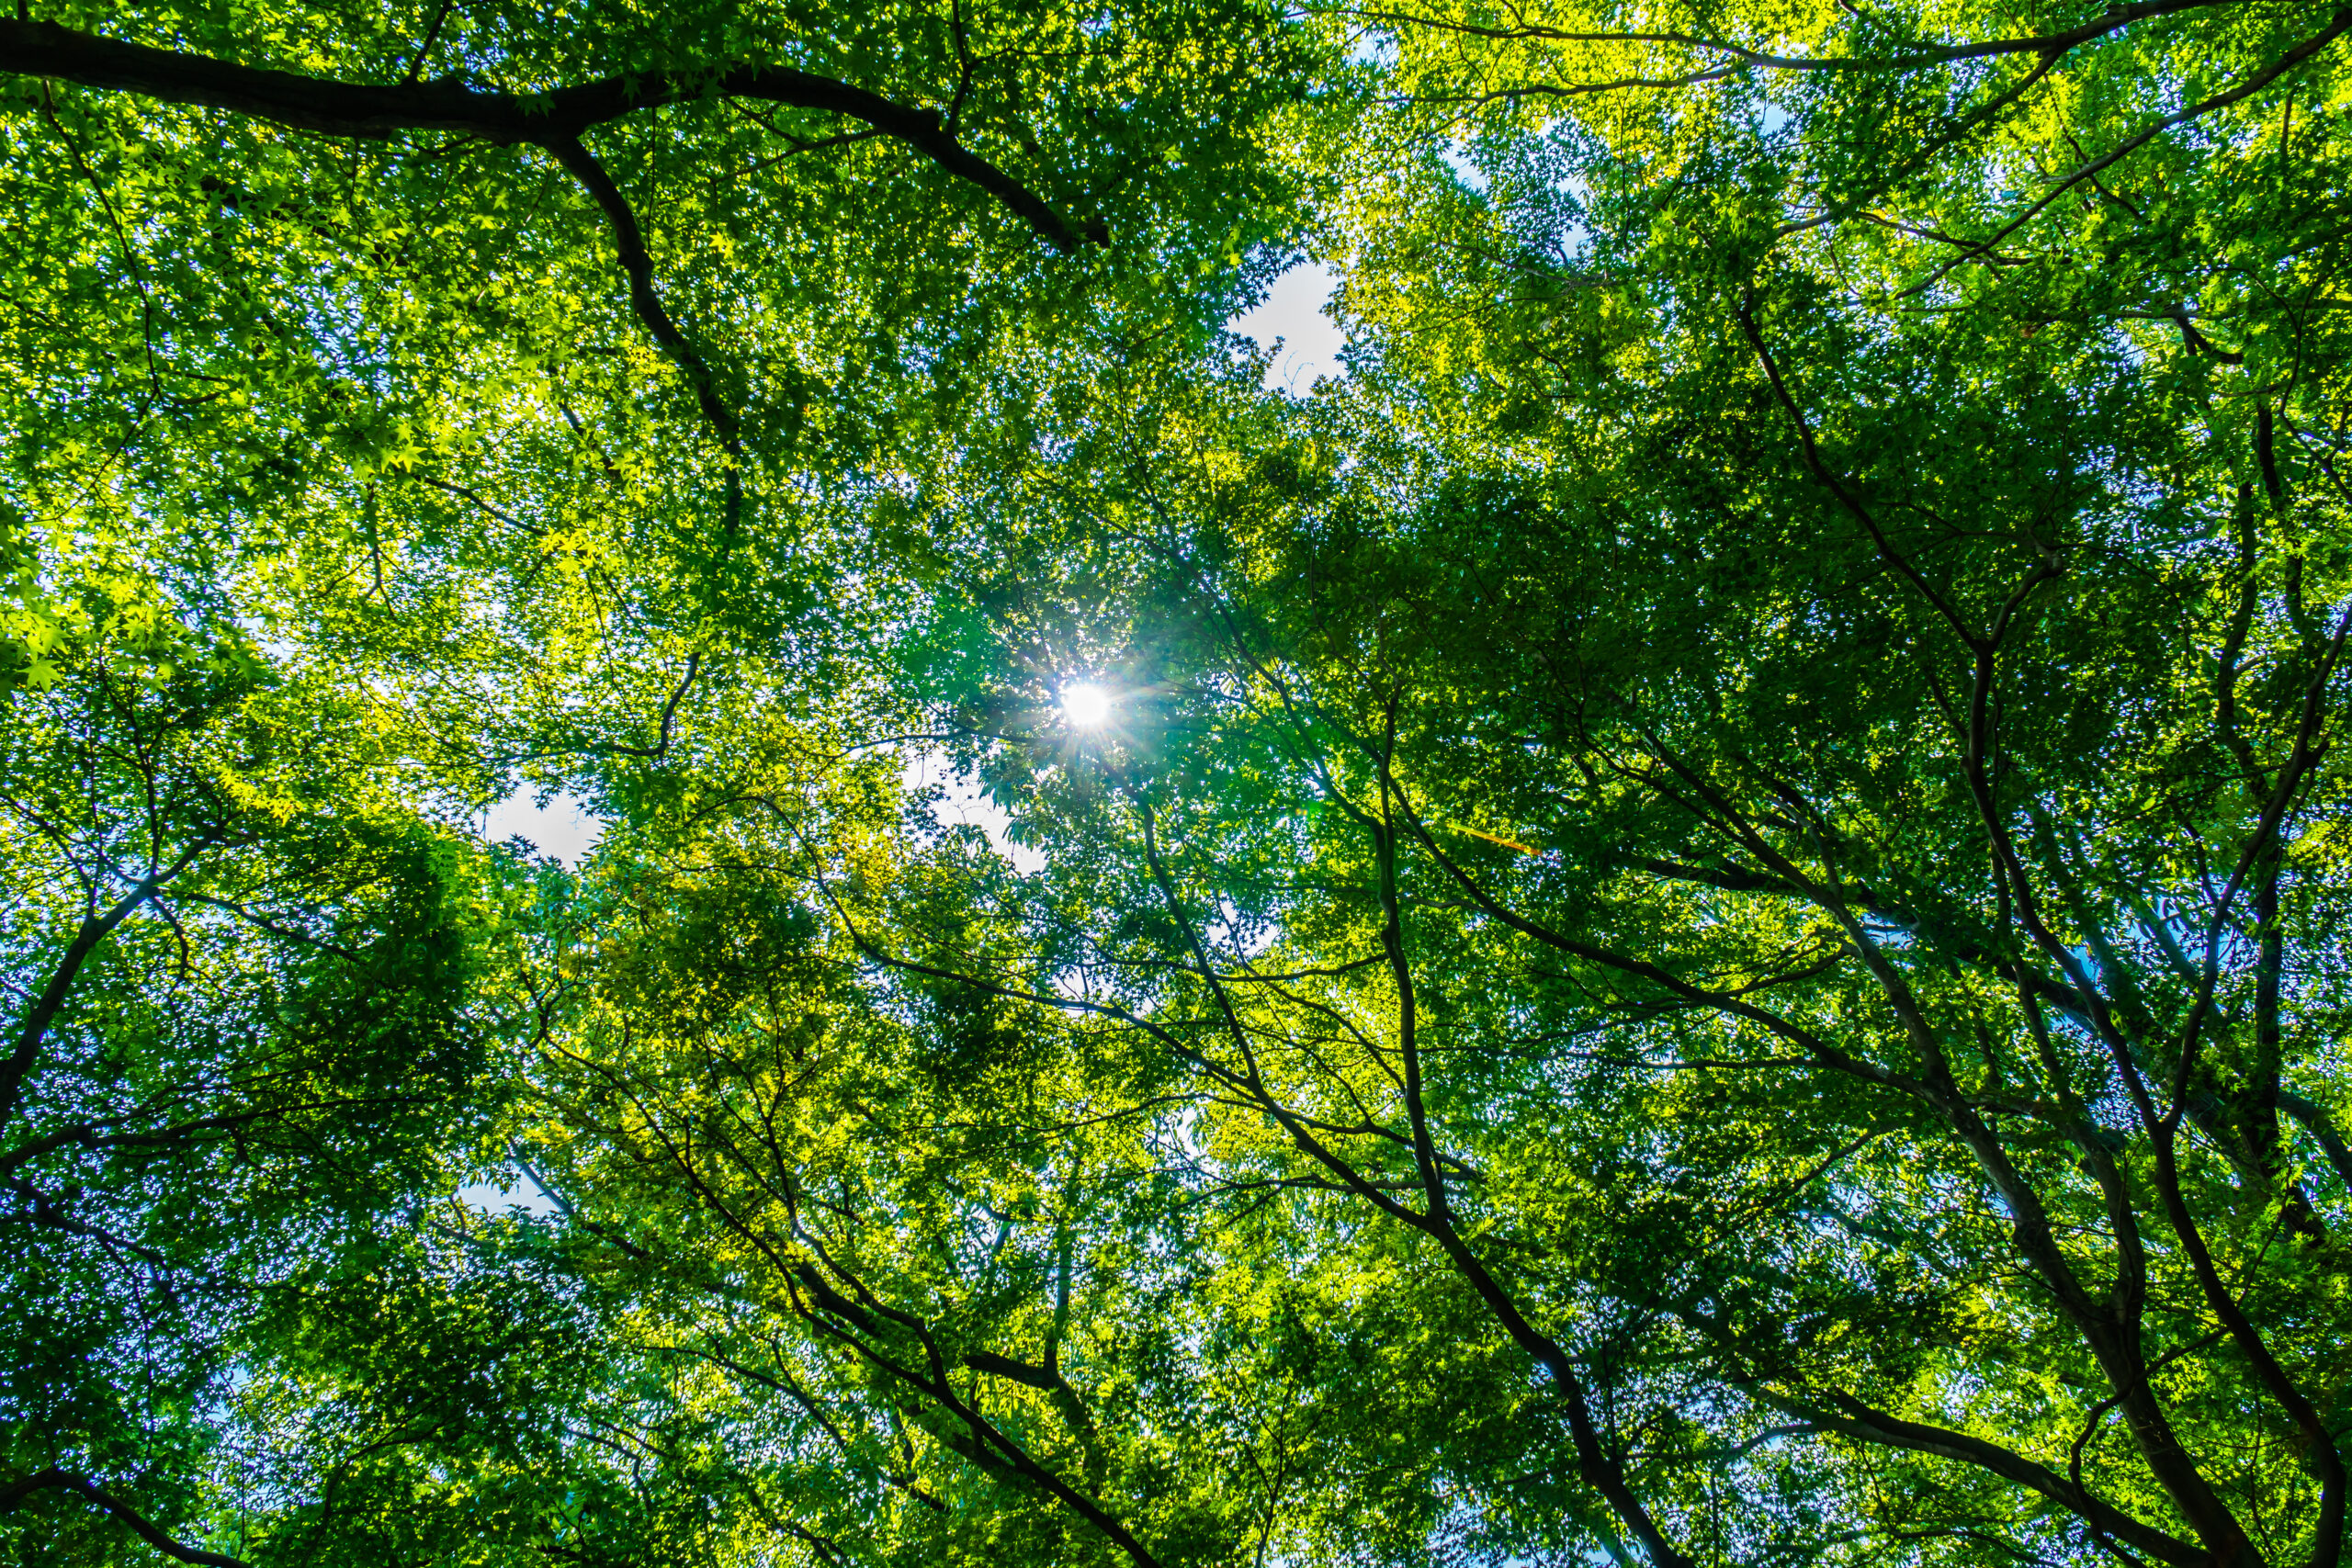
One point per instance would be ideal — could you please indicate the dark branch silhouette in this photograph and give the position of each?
(131, 1519)
(547, 119)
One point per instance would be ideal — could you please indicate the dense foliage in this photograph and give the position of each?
(1705, 928)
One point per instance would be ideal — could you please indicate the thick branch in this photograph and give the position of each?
(1853, 1419)
(1916, 58)
(2314, 1116)
(637, 262)
(43, 1012)
(546, 119)
(131, 1520)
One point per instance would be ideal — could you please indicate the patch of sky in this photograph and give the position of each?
(280, 650)
(963, 803)
(1294, 322)
(1247, 936)
(558, 824)
(511, 1190)
(1374, 47)
(1189, 1135)
(1457, 158)
(1889, 930)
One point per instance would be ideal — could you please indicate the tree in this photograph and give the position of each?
(310, 303)
(249, 1035)
(1831, 718)
(1704, 930)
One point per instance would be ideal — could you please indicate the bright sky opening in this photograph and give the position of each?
(1086, 706)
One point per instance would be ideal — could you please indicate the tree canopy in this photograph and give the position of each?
(1693, 918)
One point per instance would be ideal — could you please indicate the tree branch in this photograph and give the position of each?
(130, 1518)
(1919, 58)
(637, 262)
(1855, 1420)
(93, 931)
(546, 119)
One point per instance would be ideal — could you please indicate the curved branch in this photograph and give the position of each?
(637, 262)
(1846, 497)
(988, 1444)
(1601, 1469)
(546, 119)
(1859, 1423)
(130, 1518)
(2321, 1127)
(2253, 85)
(1919, 58)
(93, 931)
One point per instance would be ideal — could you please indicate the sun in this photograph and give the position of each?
(1085, 705)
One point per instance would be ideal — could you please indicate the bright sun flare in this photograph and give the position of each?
(1085, 705)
